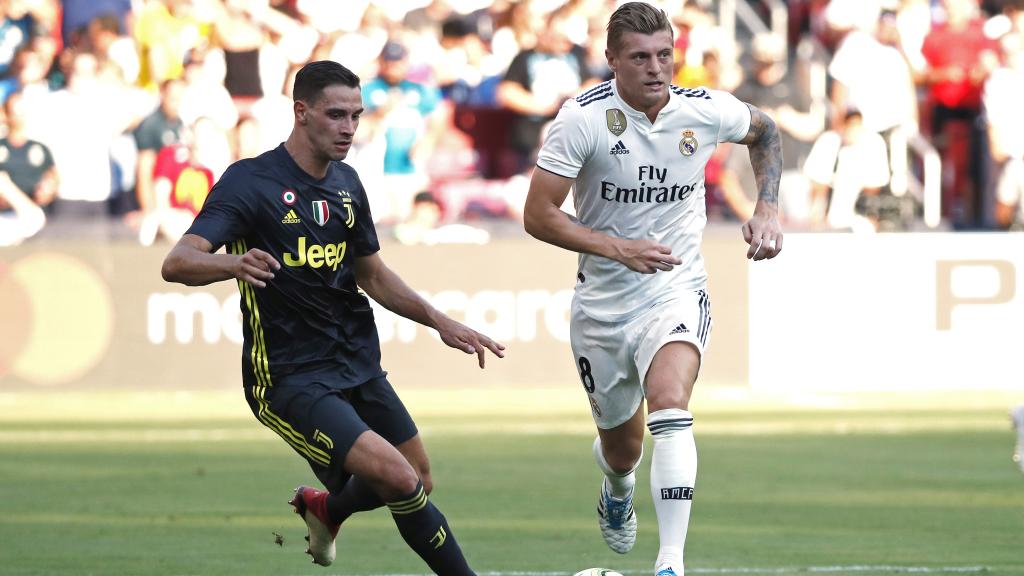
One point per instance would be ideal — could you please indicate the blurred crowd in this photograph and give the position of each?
(124, 113)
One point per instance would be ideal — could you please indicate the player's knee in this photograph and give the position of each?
(398, 481)
(669, 394)
(670, 379)
(422, 468)
(389, 473)
(619, 452)
(623, 457)
(668, 398)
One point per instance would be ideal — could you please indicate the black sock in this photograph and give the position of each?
(426, 531)
(356, 496)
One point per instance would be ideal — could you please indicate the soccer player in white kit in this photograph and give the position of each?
(634, 149)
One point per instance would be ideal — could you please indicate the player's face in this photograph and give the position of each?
(643, 69)
(331, 122)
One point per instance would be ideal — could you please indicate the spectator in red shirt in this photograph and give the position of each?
(180, 186)
(959, 58)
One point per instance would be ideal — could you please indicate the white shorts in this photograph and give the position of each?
(612, 358)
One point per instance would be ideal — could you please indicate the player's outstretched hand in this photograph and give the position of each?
(256, 267)
(763, 234)
(462, 337)
(644, 256)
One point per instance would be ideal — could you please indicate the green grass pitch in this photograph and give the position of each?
(88, 489)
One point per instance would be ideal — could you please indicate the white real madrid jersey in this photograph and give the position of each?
(640, 180)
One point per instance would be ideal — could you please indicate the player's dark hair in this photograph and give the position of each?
(635, 17)
(315, 76)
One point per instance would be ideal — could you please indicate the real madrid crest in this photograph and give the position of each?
(688, 145)
(616, 120)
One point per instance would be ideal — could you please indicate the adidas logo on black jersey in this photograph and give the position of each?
(619, 148)
(681, 329)
(290, 218)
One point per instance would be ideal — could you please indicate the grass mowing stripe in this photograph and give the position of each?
(710, 424)
(137, 436)
(504, 403)
(858, 569)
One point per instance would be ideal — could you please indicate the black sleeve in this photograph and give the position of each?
(227, 214)
(517, 70)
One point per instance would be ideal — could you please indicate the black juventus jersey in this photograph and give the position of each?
(311, 321)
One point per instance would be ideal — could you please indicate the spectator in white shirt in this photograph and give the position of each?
(847, 169)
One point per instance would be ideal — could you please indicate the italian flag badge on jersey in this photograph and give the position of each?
(321, 213)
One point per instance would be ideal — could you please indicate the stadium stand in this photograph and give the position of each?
(933, 78)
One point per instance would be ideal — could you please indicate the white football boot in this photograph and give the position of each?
(617, 520)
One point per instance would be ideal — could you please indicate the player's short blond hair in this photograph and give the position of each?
(635, 17)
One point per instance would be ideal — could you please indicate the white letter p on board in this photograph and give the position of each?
(946, 300)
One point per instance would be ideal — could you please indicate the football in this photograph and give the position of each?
(597, 572)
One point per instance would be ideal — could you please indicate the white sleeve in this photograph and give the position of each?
(820, 165)
(568, 143)
(734, 116)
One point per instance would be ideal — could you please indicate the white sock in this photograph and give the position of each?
(673, 472)
(620, 484)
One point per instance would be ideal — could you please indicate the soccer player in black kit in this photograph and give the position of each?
(302, 246)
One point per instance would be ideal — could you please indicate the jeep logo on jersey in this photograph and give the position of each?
(321, 212)
(616, 120)
(316, 255)
(346, 203)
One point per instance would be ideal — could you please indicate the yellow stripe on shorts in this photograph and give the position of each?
(261, 369)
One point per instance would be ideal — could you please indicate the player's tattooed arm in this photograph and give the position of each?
(762, 232)
(765, 147)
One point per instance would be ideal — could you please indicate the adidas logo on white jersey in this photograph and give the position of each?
(619, 148)
(681, 329)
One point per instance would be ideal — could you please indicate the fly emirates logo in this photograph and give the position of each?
(652, 188)
(316, 255)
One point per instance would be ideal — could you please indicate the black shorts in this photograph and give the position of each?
(322, 423)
